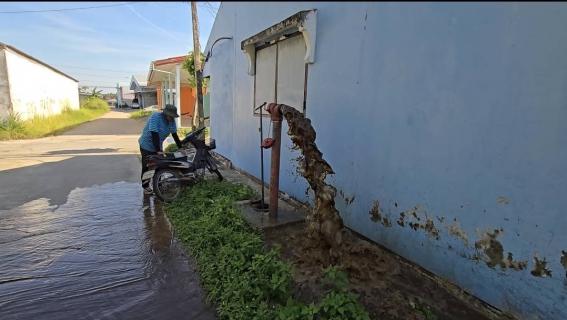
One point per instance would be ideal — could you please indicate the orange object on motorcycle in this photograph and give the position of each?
(267, 143)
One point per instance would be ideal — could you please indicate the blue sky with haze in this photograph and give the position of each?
(123, 38)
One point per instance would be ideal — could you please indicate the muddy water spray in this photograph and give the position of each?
(324, 222)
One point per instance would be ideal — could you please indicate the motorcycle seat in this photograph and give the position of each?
(168, 156)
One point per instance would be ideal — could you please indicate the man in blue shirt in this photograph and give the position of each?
(158, 127)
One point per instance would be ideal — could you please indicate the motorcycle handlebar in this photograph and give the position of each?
(191, 134)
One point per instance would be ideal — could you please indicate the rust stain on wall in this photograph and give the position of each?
(492, 254)
(494, 251)
(377, 215)
(428, 226)
(348, 199)
(511, 264)
(375, 212)
(387, 222)
(492, 248)
(540, 268)
(503, 200)
(455, 230)
(401, 220)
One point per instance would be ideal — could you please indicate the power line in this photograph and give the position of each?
(159, 4)
(95, 75)
(94, 69)
(207, 9)
(99, 81)
(211, 6)
(69, 9)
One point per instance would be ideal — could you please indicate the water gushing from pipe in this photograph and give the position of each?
(324, 222)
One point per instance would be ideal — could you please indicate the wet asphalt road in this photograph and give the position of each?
(78, 240)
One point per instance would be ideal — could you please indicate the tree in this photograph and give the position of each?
(95, 94)
(84, 89)
(189, 65)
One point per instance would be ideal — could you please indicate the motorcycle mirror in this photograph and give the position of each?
(169, 140)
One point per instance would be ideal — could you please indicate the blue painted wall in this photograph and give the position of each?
(454, 112)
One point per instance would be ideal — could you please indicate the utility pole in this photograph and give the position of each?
(198, 113)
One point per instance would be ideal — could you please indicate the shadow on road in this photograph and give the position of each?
(79, 151)
(55, 180)
(109, 126)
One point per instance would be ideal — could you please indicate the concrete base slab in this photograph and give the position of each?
(287, 212)
(262, 220)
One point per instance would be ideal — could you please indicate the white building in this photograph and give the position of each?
(30, 87)
(451, 116)
(124, 95)
(147, 95)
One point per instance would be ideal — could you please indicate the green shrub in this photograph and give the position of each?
(95, 104)
(140, 114)
(12, 127)
(182, 132)
(172, 147)
(241, 278)
(66, 108)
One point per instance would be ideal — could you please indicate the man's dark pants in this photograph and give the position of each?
(145, 153)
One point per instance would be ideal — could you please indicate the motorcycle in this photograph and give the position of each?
(171, 172)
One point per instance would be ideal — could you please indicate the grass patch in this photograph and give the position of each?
(242, 279)
(13, 127)
(141, 114)
(182, 132)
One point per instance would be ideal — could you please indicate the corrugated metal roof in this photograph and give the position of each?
(142, 80)
(25, 55)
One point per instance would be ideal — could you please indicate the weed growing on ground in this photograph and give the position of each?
(339, 303)
(141, 114)
(182, 132)
(420, 307)
(241, 278)
(13, 127)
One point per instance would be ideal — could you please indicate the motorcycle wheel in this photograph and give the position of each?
(164, 190)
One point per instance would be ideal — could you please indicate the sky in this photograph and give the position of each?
(103, 46)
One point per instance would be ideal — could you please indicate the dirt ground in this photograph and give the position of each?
(389, 287)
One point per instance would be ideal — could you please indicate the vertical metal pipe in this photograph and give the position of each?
(167, 86)
(178, 93)
(262, 157)
(163, 94)
(275, 169)
(170, 89)
(118, 95)
(164, 91)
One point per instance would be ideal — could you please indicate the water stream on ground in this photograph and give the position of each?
(108, 253)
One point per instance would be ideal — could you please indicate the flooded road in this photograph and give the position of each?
(84, 249)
